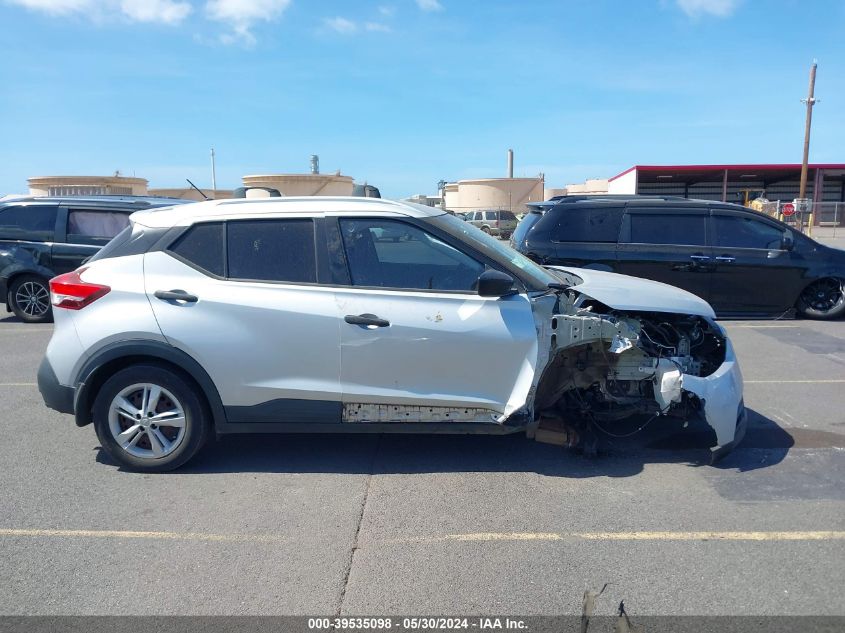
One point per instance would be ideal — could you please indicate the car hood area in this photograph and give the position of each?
(622, 292)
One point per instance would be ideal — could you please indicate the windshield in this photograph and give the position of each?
(497, 250)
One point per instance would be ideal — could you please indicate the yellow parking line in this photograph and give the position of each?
(171, 536)
(825, 535)
(631, 536)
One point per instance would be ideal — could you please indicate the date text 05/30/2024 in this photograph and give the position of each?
(416, 623)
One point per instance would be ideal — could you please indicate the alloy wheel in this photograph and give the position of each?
(33, 298)
(147, 421)
(825, 295)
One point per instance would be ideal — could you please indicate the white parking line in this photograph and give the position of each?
(834, 381)
(18, 384)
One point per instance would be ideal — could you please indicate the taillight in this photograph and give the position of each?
(70, 292)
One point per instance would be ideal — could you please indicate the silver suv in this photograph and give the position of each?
(499, 223)
(308, 314)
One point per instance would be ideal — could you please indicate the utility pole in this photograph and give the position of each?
(213, 174)
(810, 101)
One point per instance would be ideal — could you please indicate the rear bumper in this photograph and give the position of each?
(55, 395)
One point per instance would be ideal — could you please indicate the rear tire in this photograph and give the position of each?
(823, 299)
(150, 419)
(29, 299)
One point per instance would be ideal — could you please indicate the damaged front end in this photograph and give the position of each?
(606, 365)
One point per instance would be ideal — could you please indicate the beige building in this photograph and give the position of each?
(304, 184)
(87, 186)
(590, 187)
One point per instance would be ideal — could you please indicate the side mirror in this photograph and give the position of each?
(492, 283)
(787, 242)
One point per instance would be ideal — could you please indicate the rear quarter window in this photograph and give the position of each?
(202, 246)
(36, 223)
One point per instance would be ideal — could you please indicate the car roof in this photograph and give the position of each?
(256, 207)
(128, 202)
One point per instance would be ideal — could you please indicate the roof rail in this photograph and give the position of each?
(613, 197)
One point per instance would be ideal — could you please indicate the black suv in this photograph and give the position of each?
(44, 237)
(741, 261)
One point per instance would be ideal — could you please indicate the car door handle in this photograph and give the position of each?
(175, 295)
(700, 258)
(726, 259)
(366, 320)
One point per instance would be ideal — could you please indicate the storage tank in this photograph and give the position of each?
(509, 194)
(303, 184)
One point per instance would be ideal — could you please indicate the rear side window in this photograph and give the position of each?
(490, 215)
(596, 224)
(506, 215)
(30, 222)
(202, 246)
(272, 250)
(687, 229)
(94, 227)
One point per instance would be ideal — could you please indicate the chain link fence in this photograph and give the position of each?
(821, 214)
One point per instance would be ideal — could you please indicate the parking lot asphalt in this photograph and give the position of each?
(437, 524)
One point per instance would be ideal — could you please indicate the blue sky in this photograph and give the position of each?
(402, 93)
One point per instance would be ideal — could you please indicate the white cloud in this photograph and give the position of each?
(718, 8)
(166, 11)
(163, 11)
(430, 5)
(387, 10)
(377, 27)
(241, 16)
(341, 25)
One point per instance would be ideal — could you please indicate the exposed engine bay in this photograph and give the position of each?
(606, 365)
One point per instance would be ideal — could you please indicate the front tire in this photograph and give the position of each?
(150, 419)
(823, 299)
(29, 299)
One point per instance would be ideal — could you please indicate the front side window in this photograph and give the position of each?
(743, 232)
(416, 261)
(36, 223)
(684, 229)
(94, 227)
(272, 250)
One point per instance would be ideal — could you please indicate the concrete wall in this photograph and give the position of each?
(192, 194)
(303, 184)
(590, 187)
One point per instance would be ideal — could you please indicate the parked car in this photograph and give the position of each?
(742, 262)
(291, 315)
(501, 223)
(44, 237)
